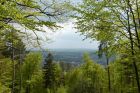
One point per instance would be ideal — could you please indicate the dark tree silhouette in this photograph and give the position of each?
(48, 71)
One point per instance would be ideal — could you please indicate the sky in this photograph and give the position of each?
(67, 38)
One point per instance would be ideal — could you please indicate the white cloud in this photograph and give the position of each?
(67, 38)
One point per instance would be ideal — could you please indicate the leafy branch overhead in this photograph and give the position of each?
(30, 14)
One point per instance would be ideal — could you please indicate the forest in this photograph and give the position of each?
(115, 24)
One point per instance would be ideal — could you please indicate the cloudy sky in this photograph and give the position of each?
(67, 38)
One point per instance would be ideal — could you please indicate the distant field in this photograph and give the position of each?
(74, 55)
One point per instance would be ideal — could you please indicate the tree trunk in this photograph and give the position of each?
(132, 53)
(108, 72)
(137, 75)
(135, 24)
(13, 74)
(20, 61)
(13, 64)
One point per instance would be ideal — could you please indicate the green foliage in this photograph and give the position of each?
(88, 78)
(61, 90)
(114, 23)
(31, 72)
(30, 15)
(5, 75)
(26, 13)
(52, 74)
(121, 73)
(11, 40)
(4, 89)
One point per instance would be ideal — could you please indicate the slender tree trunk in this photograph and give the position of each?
(20, 82)
(13, 65)
(137, 75)
(13, 74)
(132, 53)
(133, 82)
(28, 86)
(108, 72)
(135, 24)
(121, 82)
(138, 13)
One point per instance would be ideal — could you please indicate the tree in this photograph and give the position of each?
(9, 41)
(114, 22)
(103, 50)
(121, 72)
(49, 75)
(5, 75)
(12, 47)
(24, 14)
(88, 78)
(31, 71)
(52, 74)
(28, 13)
